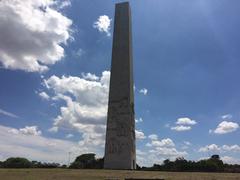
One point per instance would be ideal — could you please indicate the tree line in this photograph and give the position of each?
(212, 164)
(20, 162)
(89, 161)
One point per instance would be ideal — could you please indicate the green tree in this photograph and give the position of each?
(87, 161)
(17, 162)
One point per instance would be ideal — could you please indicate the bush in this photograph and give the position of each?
(17, 162)
(87, 161)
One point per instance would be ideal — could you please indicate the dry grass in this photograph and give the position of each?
(65, 174)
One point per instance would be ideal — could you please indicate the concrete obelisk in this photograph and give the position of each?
(120, 150)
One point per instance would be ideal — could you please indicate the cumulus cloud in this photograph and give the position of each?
(89, 76)
(223, 148)
(230, 160)
(181, 128)
(144, 91)
(168, 152)
(44, 95)
(233, 148)
(28, 130)
(163, 143)
(6, 113)
(158, 150)
(53, 129)
(153, 136)
(163, 147)
(139, 135)
(103, 24)
(186, 121)
(146, 158)
(184, 124)
(31, 34)
(139, 152)
(63, 4)
(139, 120)
(86, 105)
(36, 147)
(211, 147)
(226, 127)
(85, 111)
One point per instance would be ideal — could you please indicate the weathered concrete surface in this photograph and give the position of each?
(120, 151)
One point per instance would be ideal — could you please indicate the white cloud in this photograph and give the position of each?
(181, 128)
(37, 147)
(153, 136)
(186, 121)
(187, 143)
(226, 116)
(211, 147)
(6, 113)
(63, 4)
(69, 135)
(163, 143)
(169, 152)
(167, 142)
(139, 135)
(103, 24)
(184, 147)
(89, 76)
(145, 158)
(28, 130)
(13, 131)
(139, 152)
(223, 148)
(230, 160)
(159, 150)
(44, 95)
(85, 111)
(86, 106)
(53, 129)
(148, 159)
(139, 120)
(143, 91)
(149, 145)
(78, 53)
(233, 148)
(31, 34)
(184, 124)
(226, 127)
(203, 158)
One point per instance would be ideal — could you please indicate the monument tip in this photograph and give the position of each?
(126, 3)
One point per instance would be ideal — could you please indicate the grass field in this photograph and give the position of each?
(65, 174)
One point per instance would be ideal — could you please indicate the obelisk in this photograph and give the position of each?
(120, 151)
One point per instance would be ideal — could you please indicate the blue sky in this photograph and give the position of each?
(55, 59)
